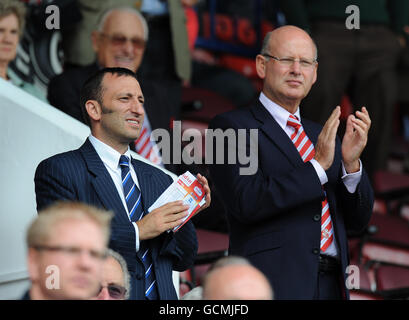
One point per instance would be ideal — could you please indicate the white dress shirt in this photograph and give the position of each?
(110, 158)
(350, 180)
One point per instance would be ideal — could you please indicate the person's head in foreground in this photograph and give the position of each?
(66, 251)
(234, 278)
(115, 283)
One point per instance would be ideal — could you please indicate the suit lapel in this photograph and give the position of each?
(276, 134)
(102, 182)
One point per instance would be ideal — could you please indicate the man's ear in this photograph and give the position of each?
(93, 109)
(261, 66)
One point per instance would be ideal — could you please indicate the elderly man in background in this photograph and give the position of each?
(115, 283)
(119, 41)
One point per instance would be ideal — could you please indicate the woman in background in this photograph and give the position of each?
(12, 19)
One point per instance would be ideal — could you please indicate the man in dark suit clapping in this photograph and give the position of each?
(290, 217)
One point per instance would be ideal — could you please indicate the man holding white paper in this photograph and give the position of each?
(101, 172)
(187, 189)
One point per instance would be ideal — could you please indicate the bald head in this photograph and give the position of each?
(288, 66)
(236, 282)
(275, 38)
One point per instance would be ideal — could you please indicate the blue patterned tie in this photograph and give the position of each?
(133, 202)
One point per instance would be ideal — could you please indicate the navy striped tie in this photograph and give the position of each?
(133, 202)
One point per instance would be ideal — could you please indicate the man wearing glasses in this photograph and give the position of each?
(119, 41)
(115, 283)
(66, 251)
(290, 218)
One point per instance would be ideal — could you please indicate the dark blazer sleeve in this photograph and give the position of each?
(356, 207)
(258, 197)
(182, 246)
(52, 183)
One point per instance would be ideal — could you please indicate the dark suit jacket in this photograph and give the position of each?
(64, 93)
(274, 215)
(81, 175)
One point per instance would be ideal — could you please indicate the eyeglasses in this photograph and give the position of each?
(73, 251)
(288, 62)
(115, 291)
(117, 40)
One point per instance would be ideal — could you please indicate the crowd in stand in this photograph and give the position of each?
(137, 56)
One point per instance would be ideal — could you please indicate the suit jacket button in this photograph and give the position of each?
(317, 217)
(138, 276)
(315, 251)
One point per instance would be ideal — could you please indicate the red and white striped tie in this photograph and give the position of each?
(306, 150)
(145, 147)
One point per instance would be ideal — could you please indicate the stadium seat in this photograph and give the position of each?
(390, 277)
(389, 187)
(202, 105)
(212, 246)
(364, 295)
(390, 228)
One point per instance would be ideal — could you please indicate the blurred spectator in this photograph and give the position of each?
(208, 74)
(403, 76)
(12, 19)
(358, 59)
(119, 41)
(66, 250)
(78, 50)
(234, 278)
(115, 284)
(167, 59)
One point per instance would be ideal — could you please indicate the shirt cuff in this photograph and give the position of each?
(320, 171)
(136, 236)
(351, 180)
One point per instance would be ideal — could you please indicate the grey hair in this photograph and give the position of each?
(104, 16)
(124, 267)
(265, 47)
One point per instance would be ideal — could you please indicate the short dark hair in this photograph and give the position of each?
(93, 89)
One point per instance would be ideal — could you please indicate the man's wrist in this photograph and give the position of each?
(352, 166)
